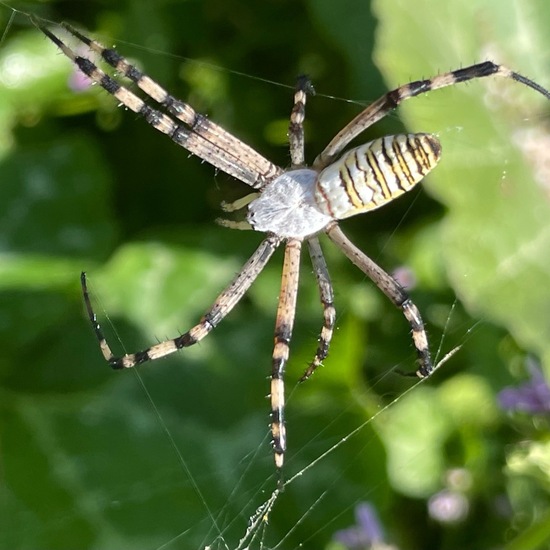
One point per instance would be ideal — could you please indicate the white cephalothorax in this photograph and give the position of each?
(287, 206)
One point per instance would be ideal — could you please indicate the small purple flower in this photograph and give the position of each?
(367, 534)
(533, 397)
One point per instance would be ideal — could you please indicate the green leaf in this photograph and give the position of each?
(496, 236)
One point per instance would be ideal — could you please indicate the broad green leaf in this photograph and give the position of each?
(496, 234)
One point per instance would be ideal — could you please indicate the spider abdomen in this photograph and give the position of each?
(373, 174)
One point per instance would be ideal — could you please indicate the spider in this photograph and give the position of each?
(289, 205)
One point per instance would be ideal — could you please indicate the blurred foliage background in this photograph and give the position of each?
(179, 456)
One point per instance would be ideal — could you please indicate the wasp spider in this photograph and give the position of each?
(290, 205)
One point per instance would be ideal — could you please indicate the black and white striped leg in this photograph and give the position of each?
(326, 294)
(284, 323)
(225, 302)
(196, 132)
(393, 290)
(389, 101)
(297, 115)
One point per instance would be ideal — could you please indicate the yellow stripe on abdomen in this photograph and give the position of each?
(374, 174)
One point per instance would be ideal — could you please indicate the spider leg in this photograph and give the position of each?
(203, 138)
(380, 108)
(327, 300)
(224, 303)
(286, 309)
(297, 115)
(391, 288)
(284, 323)
(296, 139)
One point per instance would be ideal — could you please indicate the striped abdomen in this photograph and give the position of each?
(373, 174)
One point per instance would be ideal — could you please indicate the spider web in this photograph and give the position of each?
(258, 533)
(178, 454)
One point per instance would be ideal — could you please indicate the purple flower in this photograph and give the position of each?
(533, 397)
(367, 534)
